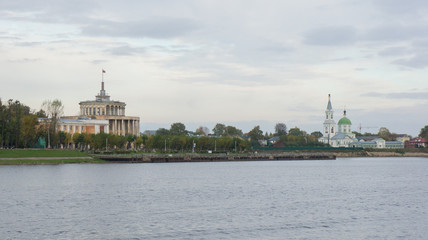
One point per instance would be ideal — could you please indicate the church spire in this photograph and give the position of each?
(329, 103)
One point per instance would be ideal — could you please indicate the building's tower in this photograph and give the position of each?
(344, 124)
(329, 126)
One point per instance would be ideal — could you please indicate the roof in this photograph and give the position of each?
(344, 121)
(340, 135)
(418, 140)
(276, 138)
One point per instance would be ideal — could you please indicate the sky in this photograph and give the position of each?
(242, 62)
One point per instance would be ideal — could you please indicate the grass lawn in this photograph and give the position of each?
(62, 156)
(50, 161)
(20, 153)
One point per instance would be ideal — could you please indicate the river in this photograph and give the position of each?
(349, 198)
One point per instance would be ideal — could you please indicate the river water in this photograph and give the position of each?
(354, 198)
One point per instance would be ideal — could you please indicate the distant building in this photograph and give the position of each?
(83, 125)
(375, 143)
(104, 111)
(417, 143)
(403, 138)
(343, 136)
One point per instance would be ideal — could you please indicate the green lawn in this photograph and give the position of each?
(20, 153)
(50, 161)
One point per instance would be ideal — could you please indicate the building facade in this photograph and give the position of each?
(103, 108)
(82, 125)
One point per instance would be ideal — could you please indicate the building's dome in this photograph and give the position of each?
(344, 121)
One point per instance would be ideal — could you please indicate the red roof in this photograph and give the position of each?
(418, 140)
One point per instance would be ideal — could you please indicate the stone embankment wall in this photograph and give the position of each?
(216, 157)
(380, 154)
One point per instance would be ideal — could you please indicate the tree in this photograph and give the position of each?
(424, 132)
(204, 131)
(178, 129)
(295, 132)
(28, 130)
(233, 131)
(316, 134)
(162, 131)
(255, 133)
(54, 110)
(219, 129)
(78, 140)
(280, 129)
(385, 134)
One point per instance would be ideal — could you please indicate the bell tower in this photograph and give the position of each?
(329, 126)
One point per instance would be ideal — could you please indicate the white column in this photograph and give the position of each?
(122, 128)
(115, 127)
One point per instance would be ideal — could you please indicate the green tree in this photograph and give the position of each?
(233, 131)
(162, 131)
(78, 140)
(255, 133)
(219, 129)
(28, 130)
(295, 132)
(316, 134)
(178, 129)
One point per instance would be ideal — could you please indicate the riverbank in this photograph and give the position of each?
(380, 154)
(44, 156)
(194, 157)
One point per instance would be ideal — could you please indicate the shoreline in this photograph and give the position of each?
(195, 157)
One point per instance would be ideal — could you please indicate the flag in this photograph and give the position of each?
(104, 71)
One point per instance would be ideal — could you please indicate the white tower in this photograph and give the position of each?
(329, 126)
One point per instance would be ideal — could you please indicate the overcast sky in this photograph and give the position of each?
(239, 62)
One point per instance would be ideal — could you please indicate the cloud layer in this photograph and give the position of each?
(221, 61)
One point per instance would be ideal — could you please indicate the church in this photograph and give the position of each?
(336, 136)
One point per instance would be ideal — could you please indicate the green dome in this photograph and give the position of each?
(344, 121)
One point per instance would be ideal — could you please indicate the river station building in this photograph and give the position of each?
(101, 115)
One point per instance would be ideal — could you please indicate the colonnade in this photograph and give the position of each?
(102, 110)
(124, 126)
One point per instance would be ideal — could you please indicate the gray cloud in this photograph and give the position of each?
(330, 36)
(396, 32)
(409, 7)
(398, 95)
(125, 50)
(155, 27)
(419, 60)
(393, 51)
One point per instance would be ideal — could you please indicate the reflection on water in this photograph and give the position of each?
(360, 198)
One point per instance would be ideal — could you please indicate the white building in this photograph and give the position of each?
(343, 136)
